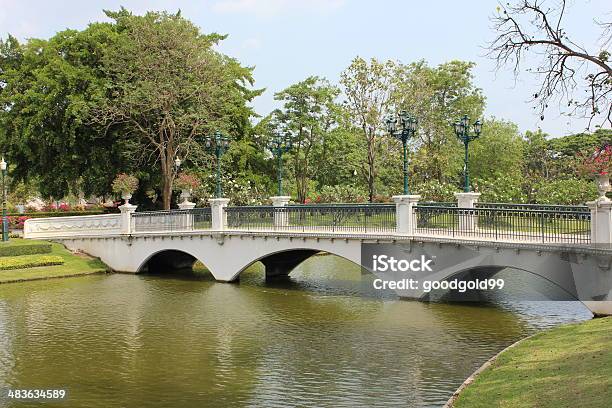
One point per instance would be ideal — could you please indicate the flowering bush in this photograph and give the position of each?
(64, 207)
(187, 181)
(504, 189)
(433, 190)
(597, 164)
(17, 222)
(125, 183)
(340, 194)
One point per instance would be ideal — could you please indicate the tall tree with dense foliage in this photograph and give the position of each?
(48, 89)
(307, 115)
(368, 88)
(170, 88)
(436, 96)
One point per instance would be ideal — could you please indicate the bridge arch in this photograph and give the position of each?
(282, 262)
(168, 259)
(490, 270)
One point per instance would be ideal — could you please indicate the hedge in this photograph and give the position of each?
(17, 250)
(29, 261)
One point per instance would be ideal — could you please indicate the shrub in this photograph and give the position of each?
(29, 261)
(341, 194)
(17, 250)
(504, 189)
(571, 191)
(125, 183)
(433, 190)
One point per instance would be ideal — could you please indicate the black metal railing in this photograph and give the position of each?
(318, 217)
(260, 217)
(543, 207)
(172, 220)
(528, 225)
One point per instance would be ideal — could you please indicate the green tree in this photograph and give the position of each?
(368, 87)
(498, 152)
(308, 114)
(170, 88)
(48, 89)
(437, 96)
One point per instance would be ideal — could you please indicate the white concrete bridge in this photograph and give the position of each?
(568, 246)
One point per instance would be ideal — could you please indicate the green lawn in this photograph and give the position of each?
(568, 366)
(73, 265)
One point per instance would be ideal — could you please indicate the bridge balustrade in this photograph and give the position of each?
(408, 217)
(319, 217)
(172, 220)
(527, 223)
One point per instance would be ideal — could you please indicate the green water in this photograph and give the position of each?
(323, 338)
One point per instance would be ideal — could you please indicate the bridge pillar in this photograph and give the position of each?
(404, 210)
(601, 222)
(281, 218)
(218, 214)
(187, 218)
(468, 221)
(126, 217)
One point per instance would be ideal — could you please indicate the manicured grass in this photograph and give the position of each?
(568, 366)
(16, 248)
(72, 265)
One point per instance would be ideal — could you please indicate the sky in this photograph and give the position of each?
(289, 40)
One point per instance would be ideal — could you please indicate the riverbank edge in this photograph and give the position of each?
(468, 381)
(77, 263)
(73, 275)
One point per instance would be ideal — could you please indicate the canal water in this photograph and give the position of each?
(323, 338)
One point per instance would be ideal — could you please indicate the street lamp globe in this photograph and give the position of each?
(391, 124)
(177, 162)
(2, 165)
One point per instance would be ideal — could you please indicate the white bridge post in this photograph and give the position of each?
(187, 221)
(601, 222)
(127, 210)
(218, 214)
(281, 218)
(404, 213)
(468, 222)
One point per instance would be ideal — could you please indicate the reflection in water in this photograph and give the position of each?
(322, 338)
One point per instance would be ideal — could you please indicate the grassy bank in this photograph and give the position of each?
(568, 366)
(71, 264)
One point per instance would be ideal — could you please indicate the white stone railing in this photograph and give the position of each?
(68, 226)
(552, 225)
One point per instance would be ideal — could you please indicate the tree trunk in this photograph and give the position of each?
(371, 169)
(167, 192)
(166, 183)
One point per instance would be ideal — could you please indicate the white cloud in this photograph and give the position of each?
(270, 8)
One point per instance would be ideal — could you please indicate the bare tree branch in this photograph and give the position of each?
(528, 28)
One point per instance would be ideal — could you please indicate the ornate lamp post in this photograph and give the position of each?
(407, 129)
(219, 143)
(277, 146)
(462, 130)
(5, 235)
